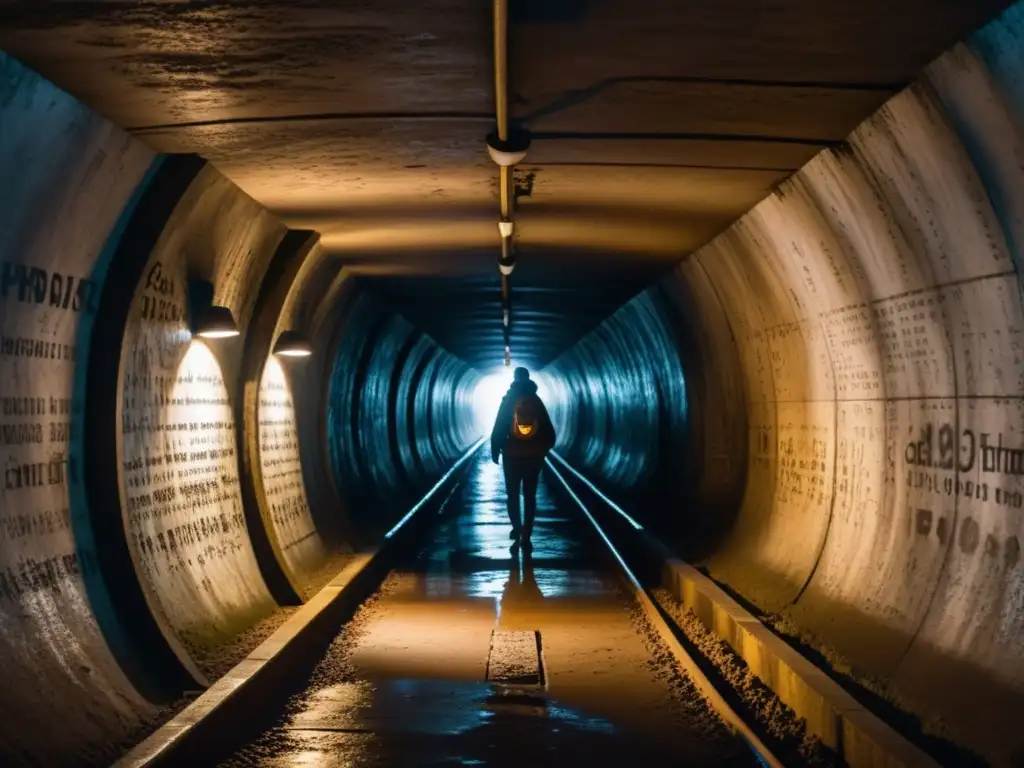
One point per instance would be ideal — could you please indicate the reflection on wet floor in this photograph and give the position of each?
(416, 693)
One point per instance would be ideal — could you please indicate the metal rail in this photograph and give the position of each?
(715, 699)
(241, 695)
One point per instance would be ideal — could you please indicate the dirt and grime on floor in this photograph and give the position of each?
(777, 724)
(334, 669)
(406, 680)
(692, 706)
(216, 661)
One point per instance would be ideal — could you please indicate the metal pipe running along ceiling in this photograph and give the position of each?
(503, 154)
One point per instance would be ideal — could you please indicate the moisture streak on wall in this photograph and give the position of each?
(67, 177)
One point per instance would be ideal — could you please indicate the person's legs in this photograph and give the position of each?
(531, 476)
(513, 479)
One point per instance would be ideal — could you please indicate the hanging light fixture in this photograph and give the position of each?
(507, 146)
(217, 323)
(209, 320)
(292, 344)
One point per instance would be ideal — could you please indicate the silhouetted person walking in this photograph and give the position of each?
(523, 435)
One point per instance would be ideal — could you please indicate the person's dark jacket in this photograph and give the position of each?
(501, 435)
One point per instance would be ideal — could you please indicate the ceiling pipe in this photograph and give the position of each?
(507, 147)
(505, 175)
(501, 98)
(501, 67)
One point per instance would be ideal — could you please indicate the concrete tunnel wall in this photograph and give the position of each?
(844, 450)
(398, 409)
(853, 353)
(161, 494)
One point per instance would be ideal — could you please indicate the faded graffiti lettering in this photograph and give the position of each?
(941, 449)
(34, 285)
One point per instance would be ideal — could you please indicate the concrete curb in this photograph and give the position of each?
(248, 676)
(860, 738)
(185, 738)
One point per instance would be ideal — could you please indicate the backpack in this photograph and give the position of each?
(525, 419)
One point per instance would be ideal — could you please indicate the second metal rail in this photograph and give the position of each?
(658, 621)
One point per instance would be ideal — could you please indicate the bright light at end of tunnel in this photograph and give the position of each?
(487, 397)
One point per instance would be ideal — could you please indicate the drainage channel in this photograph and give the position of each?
(516, 659)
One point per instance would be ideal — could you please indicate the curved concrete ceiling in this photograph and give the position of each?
(823, 404)
(655, 126)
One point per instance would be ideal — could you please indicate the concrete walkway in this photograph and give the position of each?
(411, 679)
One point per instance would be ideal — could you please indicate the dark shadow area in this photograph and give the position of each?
(397, 411)
(547, 11)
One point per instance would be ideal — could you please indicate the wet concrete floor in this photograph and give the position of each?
(406, 682)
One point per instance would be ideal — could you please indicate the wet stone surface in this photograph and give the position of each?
(406, 680)
(514, 658)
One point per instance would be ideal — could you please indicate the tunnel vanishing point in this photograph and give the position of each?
(767, 257)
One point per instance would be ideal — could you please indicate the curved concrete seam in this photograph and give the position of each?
(244, 676)
(279, 280)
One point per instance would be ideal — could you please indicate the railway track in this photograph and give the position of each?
(443, 624)
(664, 626)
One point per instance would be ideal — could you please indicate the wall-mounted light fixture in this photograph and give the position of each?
(207, 319)
(292, 344)
(217, 323)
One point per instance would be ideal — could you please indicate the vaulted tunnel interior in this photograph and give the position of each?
(767, 272)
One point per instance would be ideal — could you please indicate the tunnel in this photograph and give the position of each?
(760, 257)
